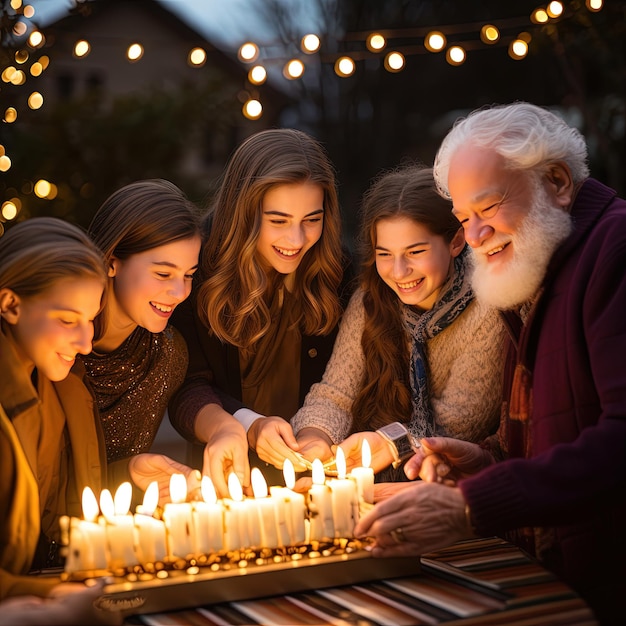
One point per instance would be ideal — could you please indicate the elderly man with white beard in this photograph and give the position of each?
(549, 246)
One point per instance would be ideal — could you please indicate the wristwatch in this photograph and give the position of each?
(400, 440)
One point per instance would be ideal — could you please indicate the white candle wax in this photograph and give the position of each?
(265, 507)
(120, 535)
(320, 505)
(150, 532)
(235, 516)
(88, 536)
(364, 476)
(208, 520)
(178, 519)
(294, 505)
(345, 499)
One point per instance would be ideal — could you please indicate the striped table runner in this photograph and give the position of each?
(473, 583)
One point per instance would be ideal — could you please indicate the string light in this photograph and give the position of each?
(248, 52)
(293, 69)
(435, 41)
(394, 62)
(197, 57)
(310, 44)
(375, 42)
(134, 52)
(455, 55)
(252, 109)
(489, 34)
(257, 75)
(81, 49)
(344, 67)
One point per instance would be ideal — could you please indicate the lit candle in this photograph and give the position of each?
(265, 510)
(208, 520)
(178, 519)
(235, 513)
(87, 539)
(320, 504)
(150, 532)
(364, 476)
(345, 499)
(119, 527)
(290, 509)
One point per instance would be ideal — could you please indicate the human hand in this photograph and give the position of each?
(315, 444)
(382, 491)
(225, 452)
(147, 467)
(274, 441)
(379, 447)
(418, 519)
(68, 604)
(444, 459)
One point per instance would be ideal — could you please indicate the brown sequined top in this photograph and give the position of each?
(133, 385)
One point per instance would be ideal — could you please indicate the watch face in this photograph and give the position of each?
(395, 430)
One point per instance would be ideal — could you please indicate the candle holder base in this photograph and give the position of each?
(200, 586)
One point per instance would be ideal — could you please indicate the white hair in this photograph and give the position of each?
(527, 136)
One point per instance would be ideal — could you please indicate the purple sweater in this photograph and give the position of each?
(572, 483)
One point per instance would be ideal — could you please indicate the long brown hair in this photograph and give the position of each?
(233, 297)
(410, 192)
(141, 216)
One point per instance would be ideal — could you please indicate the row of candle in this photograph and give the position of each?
(273, 518)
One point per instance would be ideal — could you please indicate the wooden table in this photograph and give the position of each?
(482, 582)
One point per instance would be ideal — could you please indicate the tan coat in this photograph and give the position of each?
(51, 447)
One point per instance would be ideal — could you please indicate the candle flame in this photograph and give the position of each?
(106, 505)
(208, 490)
(366, 454)
(259, 484)
(151, 498)
(340, 461)
(317, 472)
(90, 505)
(289, 474)
(123, 496)
(234, 487)
(178, 488)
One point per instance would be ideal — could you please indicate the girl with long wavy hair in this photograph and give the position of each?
(265, 310)
(414, 346)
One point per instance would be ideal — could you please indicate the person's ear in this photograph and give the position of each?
(458, 243)
(560, 184)
(113, 267)
(10, 305)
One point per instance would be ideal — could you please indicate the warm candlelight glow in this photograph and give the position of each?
(366, 454)
(207, 487)
(234, 487)
(123, 497)
(340, 461)
(317, 472)
(106, 504)
(289, 474)
(151, 498)
(90, 505)
(259, 484)
(178, 488)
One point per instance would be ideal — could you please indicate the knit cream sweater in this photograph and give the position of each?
(465, 364)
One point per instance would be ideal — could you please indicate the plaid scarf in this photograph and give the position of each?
(456, 294)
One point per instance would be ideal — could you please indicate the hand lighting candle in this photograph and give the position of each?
(345, 499)
(320, 505)
(87, 539)
(364, 476)
(290, 509)
(208, 520)
(265, 507)
(119, 528)
(177, 516)
(151, 539)
(235, 511)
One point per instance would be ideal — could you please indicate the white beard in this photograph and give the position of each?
(544, 228)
